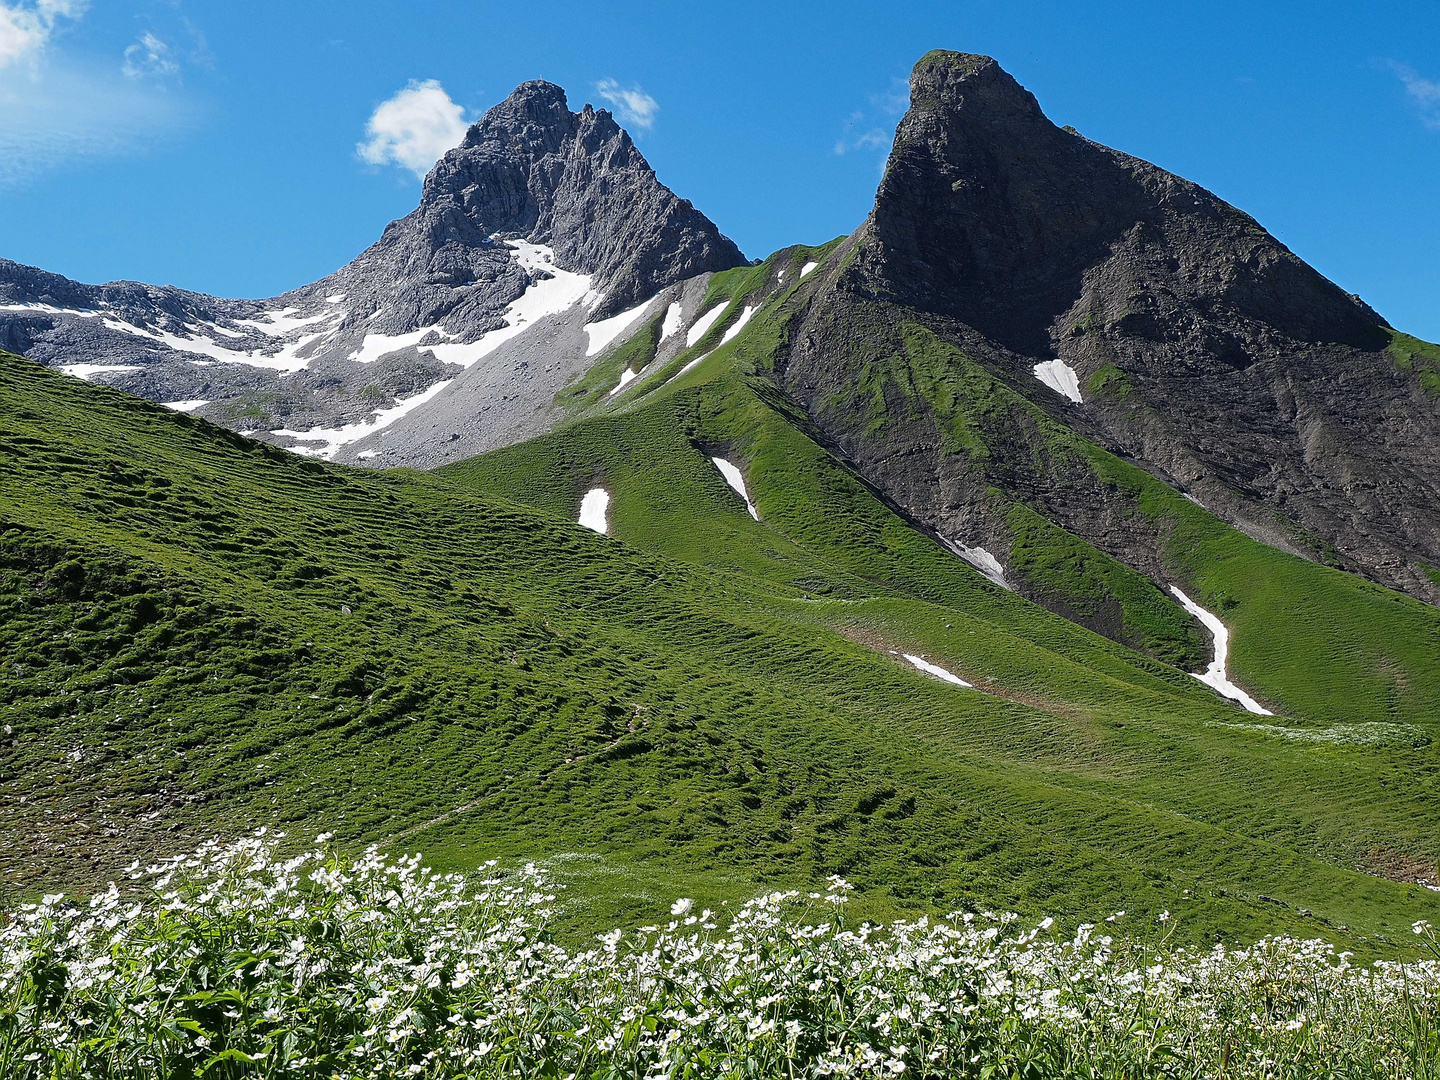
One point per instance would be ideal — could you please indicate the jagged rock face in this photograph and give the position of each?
(532, 170)
(538, 211)
(1201, 347)
(991, 214)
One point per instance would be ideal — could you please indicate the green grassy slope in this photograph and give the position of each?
(1308, 640)
(203, 633)
(1351, 666)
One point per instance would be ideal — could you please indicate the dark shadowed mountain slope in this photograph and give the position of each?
(1132, 307)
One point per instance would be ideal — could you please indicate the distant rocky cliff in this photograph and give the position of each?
(539, 210)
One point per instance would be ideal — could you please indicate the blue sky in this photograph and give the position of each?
(217, 146)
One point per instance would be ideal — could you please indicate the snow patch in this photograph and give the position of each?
(982, 560)
(729, 335)
(1214, 676)
(86, 371)
(284, 360)
(1061, 378)
(934, 669)
(51, 309)
(218, 329)
(366, 455)
(374, 346)
(807, 268)
(702, 325)
(593, 509)
(626, 378)
(738, 325)
(335, 299)
(186, 406)
(545, 296)
(282, 322)
(672, 321)
(737, 482)
(332, 439)
(605, 331)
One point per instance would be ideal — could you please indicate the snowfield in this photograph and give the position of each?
(332, 439)
(593, 510)
(279, 323)
(737, 482)
(673, 320)
(544, 297)
(626, 378)
(729, 335)
(701, 326)
(285, 360)
(88, 371)
(1061, 378)
(1214, 676)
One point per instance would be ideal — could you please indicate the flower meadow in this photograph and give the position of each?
(237, 961)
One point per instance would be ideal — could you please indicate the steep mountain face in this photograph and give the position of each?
(1130, 306)
(541, 215)
(532, 171)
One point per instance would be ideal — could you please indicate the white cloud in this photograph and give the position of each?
(894, 101)
(859, 137)
(870, 139)
(1424, 92)
(149, 56)
(873, 128)
(633, 106)
(414, 128)
(26, 27)
(55, 113)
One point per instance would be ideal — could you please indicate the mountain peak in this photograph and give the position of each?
(531, 108)
(991, 214)
(942, 79)
(531, 169)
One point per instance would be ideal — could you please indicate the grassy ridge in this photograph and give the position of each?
(1111, 724)
(708, 697)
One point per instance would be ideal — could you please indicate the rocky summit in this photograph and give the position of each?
(1132, 306)
(540, 212)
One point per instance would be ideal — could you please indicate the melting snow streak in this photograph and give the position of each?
(704, 322)
(934, 669)
(672, 321)
(737, 482)
(626, 377)
(593, 508)
(981, 559)
(332, 439)
(1214, 676)
(605, 331)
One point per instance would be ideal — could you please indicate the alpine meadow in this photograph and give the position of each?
(1001, 642)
